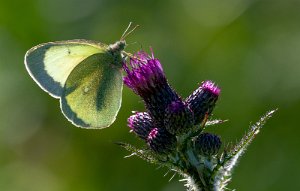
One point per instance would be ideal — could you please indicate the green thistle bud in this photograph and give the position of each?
(208, 144)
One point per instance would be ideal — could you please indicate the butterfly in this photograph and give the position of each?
(86, 76)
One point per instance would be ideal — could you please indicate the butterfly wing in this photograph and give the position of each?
(92, 94)
(51, 63)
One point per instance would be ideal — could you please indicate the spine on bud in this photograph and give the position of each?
(202, 101)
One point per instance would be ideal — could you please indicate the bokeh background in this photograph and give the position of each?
(250, 48)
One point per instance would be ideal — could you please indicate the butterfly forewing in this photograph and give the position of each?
(51, 63)
(92, 94)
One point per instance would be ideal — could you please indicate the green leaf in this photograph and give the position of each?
(144, 154)
(222, 173)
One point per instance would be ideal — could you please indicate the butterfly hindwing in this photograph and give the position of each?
(50, 64)
(92, 94)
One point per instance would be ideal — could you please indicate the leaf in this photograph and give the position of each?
(151, 157)
(222, 173)
(142, 153)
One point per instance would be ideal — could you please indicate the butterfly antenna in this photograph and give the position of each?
(125, 34)
(122, 37)
(132, 43)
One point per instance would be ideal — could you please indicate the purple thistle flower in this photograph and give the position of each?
(145, 73)
(161, 141)
(141, 124)
(210, 86)
(147, 79)
(178, 118)
(208, 144)
(202, 101)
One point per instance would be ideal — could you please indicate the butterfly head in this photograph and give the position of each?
(118, 46)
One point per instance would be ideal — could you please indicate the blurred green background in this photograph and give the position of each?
(250, 48)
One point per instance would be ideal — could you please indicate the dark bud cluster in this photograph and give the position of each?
(173, 128)
(207, 144)
(167, 114)
(159, 139)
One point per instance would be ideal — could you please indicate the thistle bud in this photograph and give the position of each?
(161, 141)
(178, 118)
(202, 101)
(208, 144)
(141, 124)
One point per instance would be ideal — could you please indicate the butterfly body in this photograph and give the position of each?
(117, 47)
(85, 75)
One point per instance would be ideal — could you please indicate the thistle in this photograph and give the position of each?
(173, 127)
(147, 79)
